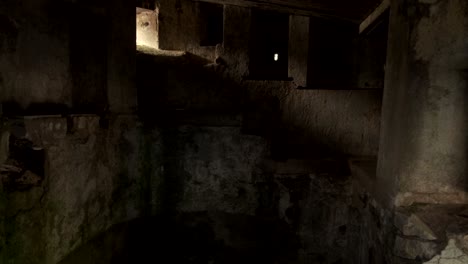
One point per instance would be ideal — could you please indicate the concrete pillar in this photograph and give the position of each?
(424, 130)
(236, 39)
(298, 49)
(121, 88)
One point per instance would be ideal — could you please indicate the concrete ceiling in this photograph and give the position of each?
(350, 10)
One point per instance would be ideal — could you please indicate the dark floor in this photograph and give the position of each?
(191, 238)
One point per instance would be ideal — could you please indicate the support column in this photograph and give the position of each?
(236, 39)
(298, 49)
(121, 61)
(424, 132)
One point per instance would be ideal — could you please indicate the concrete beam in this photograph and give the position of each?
(384, 6)
(286, 6)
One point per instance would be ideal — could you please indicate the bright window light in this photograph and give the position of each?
(275, 57)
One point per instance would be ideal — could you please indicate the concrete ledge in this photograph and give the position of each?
(408, 198)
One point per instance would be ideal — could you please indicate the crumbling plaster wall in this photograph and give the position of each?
(98, 173)
(60, 58)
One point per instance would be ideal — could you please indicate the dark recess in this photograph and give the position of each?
(88, 61)
(331, 54)
(211, 24)
(372, 54)
(147, 4)
(269, 36)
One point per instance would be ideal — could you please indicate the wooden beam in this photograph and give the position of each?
(294, 7)
(374, 15)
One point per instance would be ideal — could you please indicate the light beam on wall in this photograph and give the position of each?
(147, 28)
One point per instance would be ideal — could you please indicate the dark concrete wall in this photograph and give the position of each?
(67, 56)
(98, 173)
(34, 53)
(244, 153)
(423, 140)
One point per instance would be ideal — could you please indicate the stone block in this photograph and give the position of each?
(414, 249)
(413, 226)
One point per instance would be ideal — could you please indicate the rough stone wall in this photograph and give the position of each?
(98, 173)
(220, 168)
(371, 229)
(296, 210)
(298, 52)
(334, 121)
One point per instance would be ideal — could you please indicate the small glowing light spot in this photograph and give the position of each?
(276, 57)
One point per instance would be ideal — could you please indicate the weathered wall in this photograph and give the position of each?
(371, 228)
(337, 121)
(423, 137)
(219, 168)
(423, 141)
(299, 210)
(98, 173)
(86, 173)
(261, 209)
